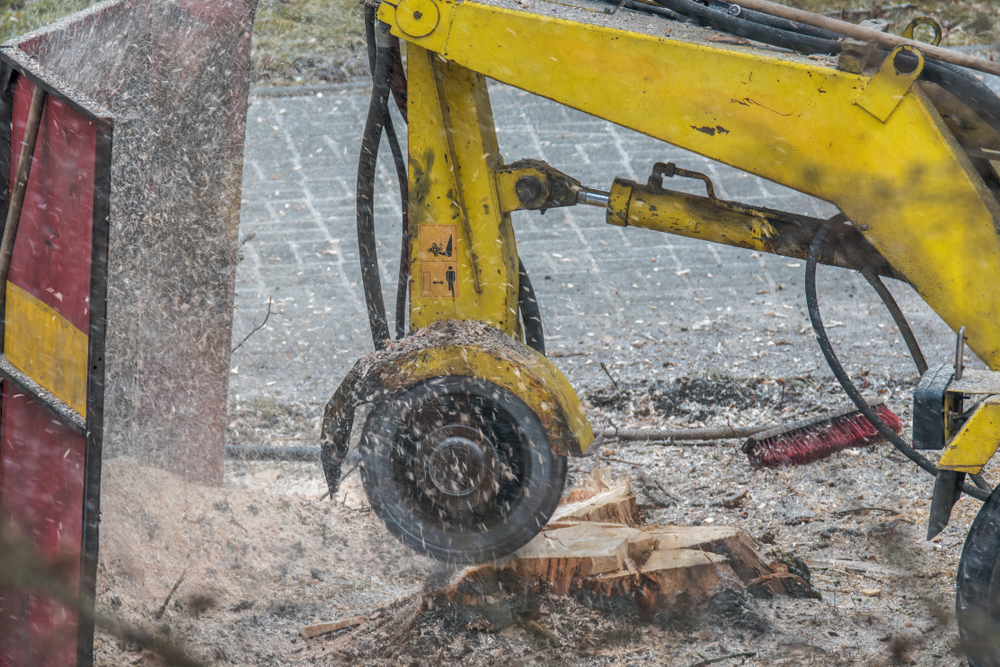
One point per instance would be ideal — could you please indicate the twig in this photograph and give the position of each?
(709, 661)
(631, 463)
(342, 478)
(650, 481)
(317, 629)
(731, 503)
(778, 575)
(256, 328)
(540, 630)
(857, 510)
(159, 614)
(608, 373)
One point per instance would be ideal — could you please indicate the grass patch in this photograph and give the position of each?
(294, 41)
(322, 41)
(308, 41)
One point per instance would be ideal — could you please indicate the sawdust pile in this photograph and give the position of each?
(263, 555)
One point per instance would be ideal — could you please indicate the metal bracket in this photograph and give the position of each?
(976, 441)
(534, 185)
(669, 169)
(885, 89)
(931, 405)
(947, 491)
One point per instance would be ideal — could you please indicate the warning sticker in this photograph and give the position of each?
(438, 256)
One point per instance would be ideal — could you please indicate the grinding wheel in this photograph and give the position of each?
(460, 469)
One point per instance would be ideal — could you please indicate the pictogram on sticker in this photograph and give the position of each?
(438, 269)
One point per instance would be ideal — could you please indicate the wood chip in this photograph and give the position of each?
(871, 592)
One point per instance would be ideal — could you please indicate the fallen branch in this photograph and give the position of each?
(256, 327)
(868, 35)
(682, 434)
(710, 661)
(650, 481)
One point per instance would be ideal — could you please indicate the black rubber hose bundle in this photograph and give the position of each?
(382, 60)
(759, 32)
(845, 380)
(531, 314)
(378, 110)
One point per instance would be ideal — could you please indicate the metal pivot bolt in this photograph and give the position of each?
(529, 190)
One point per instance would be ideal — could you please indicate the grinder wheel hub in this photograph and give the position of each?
(460, 466)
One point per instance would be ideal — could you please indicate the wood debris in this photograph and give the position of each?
(596, 543)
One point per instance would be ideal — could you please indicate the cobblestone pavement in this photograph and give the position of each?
(646, 304)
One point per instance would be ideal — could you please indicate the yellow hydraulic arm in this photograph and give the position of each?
(873, 144)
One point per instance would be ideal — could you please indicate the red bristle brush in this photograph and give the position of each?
(817, 438)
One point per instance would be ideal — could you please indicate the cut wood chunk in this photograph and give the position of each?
(672, 580)
(729, 541)
(588, 488)
(616, 505)
(557, 557)
(640, 543)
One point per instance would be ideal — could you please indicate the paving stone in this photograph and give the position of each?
(707, 308)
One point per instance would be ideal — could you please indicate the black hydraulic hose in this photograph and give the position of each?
(649, 9)
(367, 161)
(403, 277)
(897, 316)
(963, 84)
(775, 21)
(734, 25)
(402, 280)
(844, 379)
(531, 314)
(887, 298)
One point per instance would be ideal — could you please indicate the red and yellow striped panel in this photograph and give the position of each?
(42, 465)
(48, 292)
(47, 347)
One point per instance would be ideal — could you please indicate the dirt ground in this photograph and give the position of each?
(266, 555)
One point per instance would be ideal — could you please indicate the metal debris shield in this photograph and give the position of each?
(52, 368)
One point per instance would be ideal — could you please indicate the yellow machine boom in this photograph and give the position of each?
(464, 452)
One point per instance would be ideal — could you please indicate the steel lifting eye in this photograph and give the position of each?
(923, 20)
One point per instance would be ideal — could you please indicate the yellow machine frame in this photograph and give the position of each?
(891, 154)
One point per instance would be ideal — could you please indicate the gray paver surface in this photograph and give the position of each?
(646, 304)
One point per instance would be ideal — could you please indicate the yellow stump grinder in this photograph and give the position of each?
(463, 454)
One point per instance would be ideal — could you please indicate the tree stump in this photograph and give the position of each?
(596, 544)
